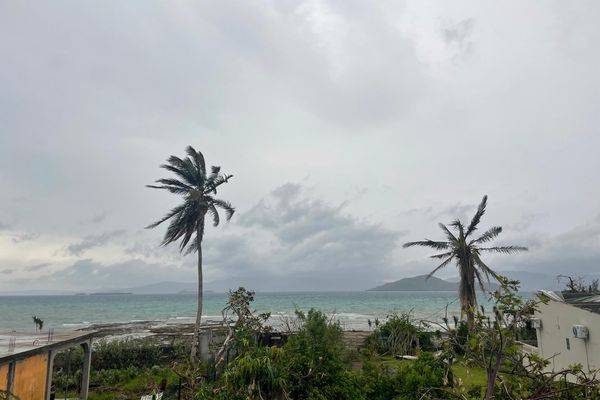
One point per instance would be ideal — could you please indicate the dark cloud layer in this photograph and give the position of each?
(89, 242)
(375, 108)
(291, 238)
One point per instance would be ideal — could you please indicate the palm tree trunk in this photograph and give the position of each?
(468, 297)
(200, 295)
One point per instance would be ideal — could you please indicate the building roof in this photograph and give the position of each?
(586, 301)
(18, 345)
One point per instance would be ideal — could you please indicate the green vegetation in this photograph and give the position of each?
(455, 362)
(197, 188)
(121, 368)
(460, 247)
(399, 335)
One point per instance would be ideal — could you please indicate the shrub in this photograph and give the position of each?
(256, 375)
(427, 375)
(398, 335)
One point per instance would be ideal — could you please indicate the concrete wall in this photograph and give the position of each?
(557, 326)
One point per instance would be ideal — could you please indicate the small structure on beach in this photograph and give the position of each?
(26, 362)
(568, 329)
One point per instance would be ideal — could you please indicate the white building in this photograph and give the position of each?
(568, 330)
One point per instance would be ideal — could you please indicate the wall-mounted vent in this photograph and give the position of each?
(581, 331)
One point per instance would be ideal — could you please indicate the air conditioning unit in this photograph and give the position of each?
(581, 331)
(536, 323)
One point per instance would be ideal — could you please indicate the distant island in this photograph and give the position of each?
(110, 293)
(418, 284)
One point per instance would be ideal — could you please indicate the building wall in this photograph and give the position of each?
(3, 377)
(30, 377)
(557, 326)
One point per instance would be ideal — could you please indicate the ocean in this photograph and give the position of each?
(352, 309)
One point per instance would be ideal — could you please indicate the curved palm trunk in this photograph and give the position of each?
(200, 296)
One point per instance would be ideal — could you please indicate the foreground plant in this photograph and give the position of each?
(244, 325)
(467, 252)
(197, 188)
(511, 372)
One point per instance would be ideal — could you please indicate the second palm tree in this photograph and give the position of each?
(467, 252)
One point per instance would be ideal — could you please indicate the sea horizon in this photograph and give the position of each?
(353, 309)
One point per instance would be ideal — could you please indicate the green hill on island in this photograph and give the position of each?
(421, 284)
(418, 283)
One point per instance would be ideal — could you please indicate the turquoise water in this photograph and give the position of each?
(353, 309)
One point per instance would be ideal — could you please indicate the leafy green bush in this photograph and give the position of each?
(426, 377)
(121, 354)
(398, 335)
(316, 362)
(256, 375)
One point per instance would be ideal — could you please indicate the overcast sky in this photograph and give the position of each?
(350, 126)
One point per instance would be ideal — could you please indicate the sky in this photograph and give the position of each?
(350, 128)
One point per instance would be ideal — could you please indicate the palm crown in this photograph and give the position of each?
(467, 251)
(197, 189)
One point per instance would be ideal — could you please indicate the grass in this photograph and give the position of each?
(470, 376)
(129, 387)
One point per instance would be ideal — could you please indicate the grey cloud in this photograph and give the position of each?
(37, 267)
(458, 33)
(95, 219)
(576, 252)
(90, 274)
(89, 242)
(5, 226)
(7, 271)
(525, 222)
(310, 241)
(24, 237)
(463, 212)
(348, 93)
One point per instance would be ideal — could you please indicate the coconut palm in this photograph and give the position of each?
(467, 253)
(197, 188)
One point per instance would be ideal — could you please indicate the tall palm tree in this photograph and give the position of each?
(187, 219)
(467, 253)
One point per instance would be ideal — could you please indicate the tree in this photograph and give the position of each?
(467, 253)
(38, 322)
(197, 189)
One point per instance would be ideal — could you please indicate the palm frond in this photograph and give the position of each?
(211, 186)
(443, 255)
(169, 215)
(212, 210)
(225, 205)
(180, 169)
(458, 225)
(449, 234)
(186, 221)
(504, 249)
(484, 268)
(170, 189)
(428, 243)
(198, 159)
(174, 182)
(489, 235)
(214, 173)
(193, 247)
(442, 265)
(480, 281)
(477, 217)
